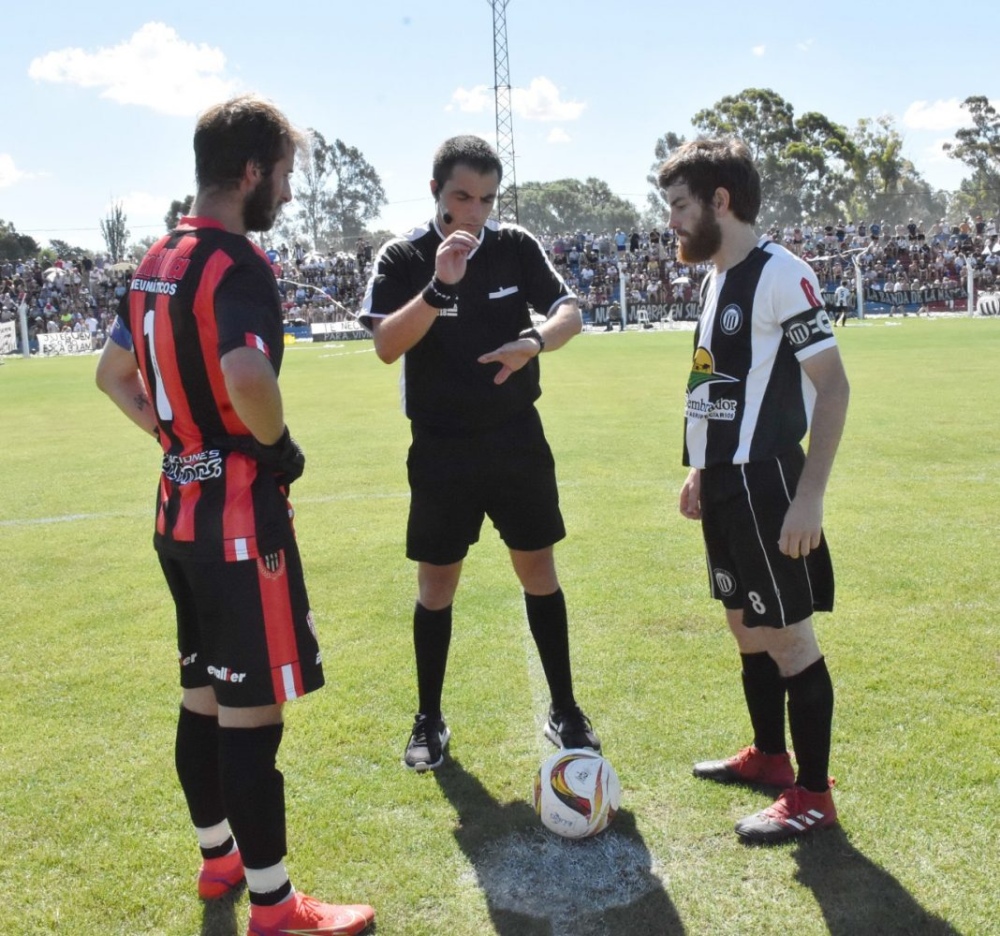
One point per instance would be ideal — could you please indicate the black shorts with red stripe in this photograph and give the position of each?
(245, 628)
(743, 508)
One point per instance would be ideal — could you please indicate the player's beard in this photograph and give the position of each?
(259, 208)
(703, 242)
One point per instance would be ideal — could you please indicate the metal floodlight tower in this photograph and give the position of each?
(507, 195)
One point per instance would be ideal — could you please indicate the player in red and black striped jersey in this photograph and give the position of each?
(765, 368)
(194, 359)
(198, 294)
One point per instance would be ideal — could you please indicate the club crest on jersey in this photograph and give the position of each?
(703, 371)
(731, 319)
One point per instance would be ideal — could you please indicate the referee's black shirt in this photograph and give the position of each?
(445, 388)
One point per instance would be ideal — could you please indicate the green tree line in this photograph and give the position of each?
(813, 169)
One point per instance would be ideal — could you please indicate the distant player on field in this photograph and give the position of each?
(765, 365)
(452, 299)
(842, 302)
(194, 358)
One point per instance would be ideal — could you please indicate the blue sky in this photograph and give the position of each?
(100, 99)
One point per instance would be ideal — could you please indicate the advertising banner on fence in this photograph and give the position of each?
(64, 343)
(8, 338)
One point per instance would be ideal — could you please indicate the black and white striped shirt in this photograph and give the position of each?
(747, 396)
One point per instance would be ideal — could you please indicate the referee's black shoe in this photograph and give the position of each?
(570, 728)
(428, 739)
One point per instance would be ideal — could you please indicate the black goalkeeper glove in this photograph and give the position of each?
(284, 457)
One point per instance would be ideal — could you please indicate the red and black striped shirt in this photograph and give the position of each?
(199, 293)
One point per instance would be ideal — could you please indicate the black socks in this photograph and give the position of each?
(431, 640)
(764, 690)
(810, 720)
(550, 628)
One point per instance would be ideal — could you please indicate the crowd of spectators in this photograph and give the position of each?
(321, 288)
(64, 297)
(330, 287)
(891, 257)
(898, 256)
(82, 298)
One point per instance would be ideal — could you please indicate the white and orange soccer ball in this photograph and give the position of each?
(577, 793)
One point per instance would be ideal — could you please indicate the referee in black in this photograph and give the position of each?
(451, 298)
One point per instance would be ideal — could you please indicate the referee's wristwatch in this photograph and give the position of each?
(536, 335)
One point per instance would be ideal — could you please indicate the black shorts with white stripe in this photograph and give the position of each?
(743, 508)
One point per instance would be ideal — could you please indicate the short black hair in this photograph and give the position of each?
(707, 164)
(466, 150)
(241, 130)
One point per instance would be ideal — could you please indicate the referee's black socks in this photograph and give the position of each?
(550, 629)
(431, 640)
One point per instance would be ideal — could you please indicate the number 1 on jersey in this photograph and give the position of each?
(163, 408)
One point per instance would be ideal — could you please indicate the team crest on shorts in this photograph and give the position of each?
(724, 582)
(272, 565)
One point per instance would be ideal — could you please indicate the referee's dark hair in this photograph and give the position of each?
(241, 130)
(467, 150)
(705, 165)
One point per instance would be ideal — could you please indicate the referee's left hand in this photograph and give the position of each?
(513, 356)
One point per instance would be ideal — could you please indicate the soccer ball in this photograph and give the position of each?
(577, 793)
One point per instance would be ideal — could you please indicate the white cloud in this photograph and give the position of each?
(935, 115)
(541, 101)
(558, 135)
(140, 205)
(805, 46)
(473, 101)
(154, 68)
(9, 173)
(758, 50)
(934, 153)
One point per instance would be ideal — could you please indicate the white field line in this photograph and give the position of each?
(121, 514)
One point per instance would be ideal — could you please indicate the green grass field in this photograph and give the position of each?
(93, 833)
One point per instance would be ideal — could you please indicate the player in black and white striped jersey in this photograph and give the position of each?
(766, 370)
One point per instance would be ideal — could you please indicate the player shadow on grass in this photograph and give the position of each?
(218, 917)
(856, 895)
(537, 884)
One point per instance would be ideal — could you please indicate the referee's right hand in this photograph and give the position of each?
(453, 255)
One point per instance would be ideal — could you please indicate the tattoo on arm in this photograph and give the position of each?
(141, 401)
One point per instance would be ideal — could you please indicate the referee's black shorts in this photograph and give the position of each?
(743, 508)
(245, 628)
(506, 473)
